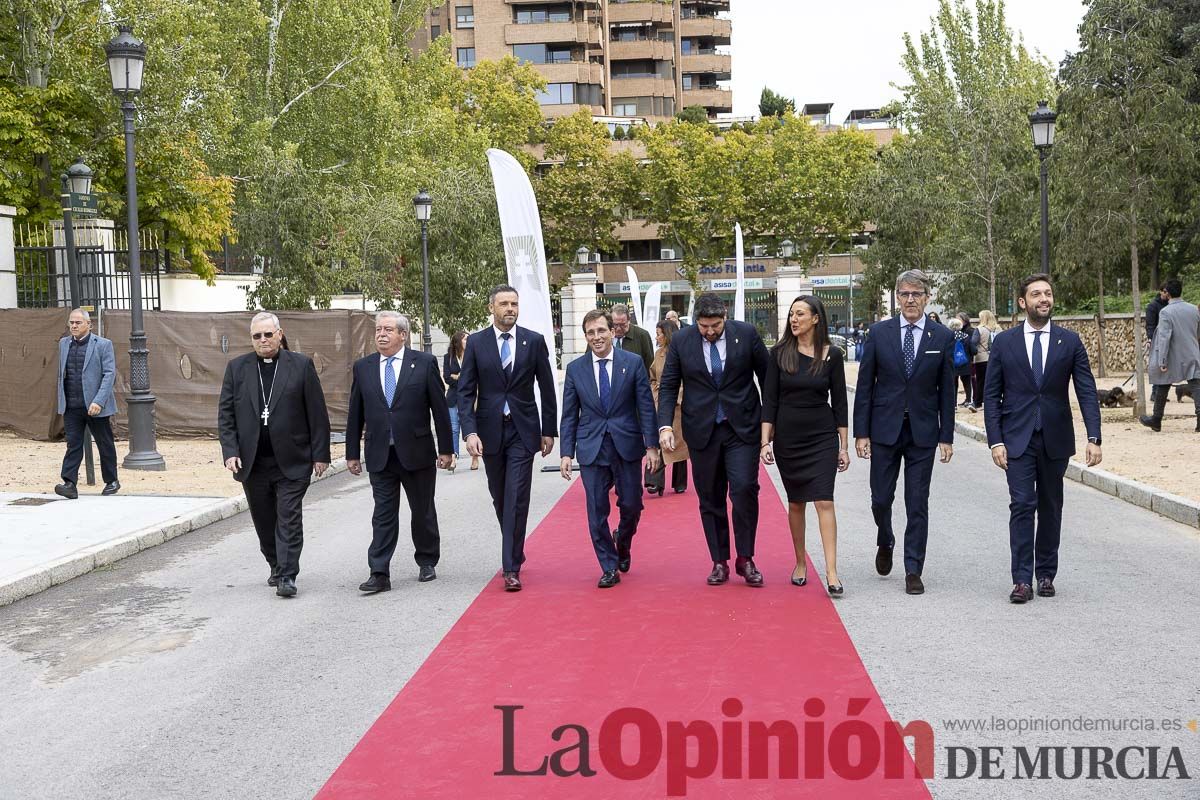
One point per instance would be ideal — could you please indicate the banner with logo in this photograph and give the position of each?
(635, 291)
(739, 298)
(652, 308)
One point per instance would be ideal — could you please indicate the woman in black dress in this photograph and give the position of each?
(804, 428)
(451, 365)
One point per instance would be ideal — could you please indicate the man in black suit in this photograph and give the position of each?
(629, 337)
(394, 393)
(904, 412)
(274, 432)
(716, 361)
(499, 417)
(1031, 432)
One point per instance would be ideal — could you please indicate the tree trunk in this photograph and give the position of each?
(991, 260)
(1139, 358)
(1100, 354)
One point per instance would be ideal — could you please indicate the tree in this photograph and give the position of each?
(970, 92)
(1127, 118)
(696, 115)
(771, 104)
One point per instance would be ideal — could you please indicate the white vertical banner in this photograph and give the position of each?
(524, 250)
(635, 291)
(739, 299)
(691, 305)
(652, 309)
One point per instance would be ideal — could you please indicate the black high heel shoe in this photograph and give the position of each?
(799, 581)
(836, 590)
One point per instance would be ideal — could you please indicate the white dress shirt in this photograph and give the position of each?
(1029, 331)
(383, 366)
(720, 345)
(610, 358)
(512, 343)
(917, 334)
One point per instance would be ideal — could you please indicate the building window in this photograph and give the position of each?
(557, 94)
(621, 109)
(530, 53)
(685, 46)
(687, 82)
(435, 31)
(464, 16)
(466, 57)
(533, 15)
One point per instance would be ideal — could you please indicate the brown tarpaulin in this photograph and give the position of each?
(188, 354)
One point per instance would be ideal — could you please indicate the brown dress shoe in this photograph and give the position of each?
(883, 561)
(745, 567)
(913, 584)
(719, 574)
(1045, 587)
(512, 582)
(1021, 593)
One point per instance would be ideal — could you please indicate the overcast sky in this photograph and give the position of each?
(847, 52)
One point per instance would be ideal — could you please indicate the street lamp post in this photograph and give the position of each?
(76, 183)
(581, 258)
(1041, 122)
(423, 205)
(126, 56)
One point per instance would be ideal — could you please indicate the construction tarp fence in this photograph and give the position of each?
(188, 354)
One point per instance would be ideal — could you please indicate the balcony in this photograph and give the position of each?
(552, 32)
(707, 63)
(556, 111)
(572, 72)
(721, 30)
(642, 87)
(719, 101)
(642, 49)
(640, 12)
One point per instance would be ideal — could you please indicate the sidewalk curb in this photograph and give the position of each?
(1143, 495)
(81, 562)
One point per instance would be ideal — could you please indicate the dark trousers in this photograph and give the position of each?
(276, 506)
(918, 472)
(75, 420)
(656, 480)
(599, 477)
(967, 383)
(727, 466)
(1035, 486)
(418, 487)
(980, 379)
(510, 476)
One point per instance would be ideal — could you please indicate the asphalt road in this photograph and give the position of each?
(177, 673)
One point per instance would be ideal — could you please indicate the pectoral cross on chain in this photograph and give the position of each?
(266, 415)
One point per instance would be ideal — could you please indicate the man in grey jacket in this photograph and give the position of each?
(1175, 354)
(86, 372)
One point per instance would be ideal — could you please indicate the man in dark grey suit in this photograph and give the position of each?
(1174, 353)
(629, 337)
(274, 431)
(86, 373)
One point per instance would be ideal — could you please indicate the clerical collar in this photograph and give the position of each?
(266, 360)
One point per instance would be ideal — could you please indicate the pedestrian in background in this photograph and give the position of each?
(451, 366)
(656, 479)
(1175, 356)
(961, 359)
(987, 328)
(86, 372)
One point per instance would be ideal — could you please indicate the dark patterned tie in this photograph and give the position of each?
(1038, 370)
(604, 386)
(910, 350)
(714, 362)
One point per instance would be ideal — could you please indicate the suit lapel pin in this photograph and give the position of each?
(735, 341)
(412, 366)
(622, 370)
(523, 343)
(1059, 341)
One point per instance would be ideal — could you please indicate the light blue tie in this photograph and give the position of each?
(506, 360)
(389, 381)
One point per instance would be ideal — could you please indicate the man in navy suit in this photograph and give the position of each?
(86, 373)
(1030, 430)
(394, 393)
(904, 412)
(716, 361)
(609, 423)
(499, 416)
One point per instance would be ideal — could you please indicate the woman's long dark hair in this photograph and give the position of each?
(458, 344)
(668, 329)
(787, 354)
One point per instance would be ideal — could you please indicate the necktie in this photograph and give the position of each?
(910, 350)
(620, 346)
(506, 360)
(1037, 377)
(604, 386)
(389, 381)
(714, 363)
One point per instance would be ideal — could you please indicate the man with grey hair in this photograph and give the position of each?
(274, 432)
(904, 412)
(627, 336)
(394, 393)
(86, 372)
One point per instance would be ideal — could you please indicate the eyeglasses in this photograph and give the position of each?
(263, 335)
(910, 295)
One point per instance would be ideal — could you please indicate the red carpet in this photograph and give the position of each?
(701, 671)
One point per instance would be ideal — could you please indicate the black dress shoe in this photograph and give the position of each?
(427, 573)
(1151, 423)
(1021, 593)
(836, 589)
(719, 574)
(681, 491)
(913, 584)
(1045, 587)
(274, 579)
(883, 561)
(609, 579)
(624, 559)
(286, 588)
(111, 488)
(512, 582)
(67, 490)
(376, 583)
(745, 567)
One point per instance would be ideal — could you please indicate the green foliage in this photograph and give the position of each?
(695, 115)
(771, 104)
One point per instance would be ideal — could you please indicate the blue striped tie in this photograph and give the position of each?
(389, 381)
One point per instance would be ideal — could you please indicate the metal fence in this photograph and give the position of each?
(104, 280)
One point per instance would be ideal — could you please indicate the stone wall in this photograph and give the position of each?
(1118, 339)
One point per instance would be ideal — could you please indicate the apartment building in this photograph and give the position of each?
(622, 58)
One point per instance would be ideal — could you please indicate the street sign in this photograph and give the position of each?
(85, 205)
(681, 272)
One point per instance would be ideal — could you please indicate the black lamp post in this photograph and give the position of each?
(423, 205)
(126, 56)
(1041, 122)
(76, 183)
